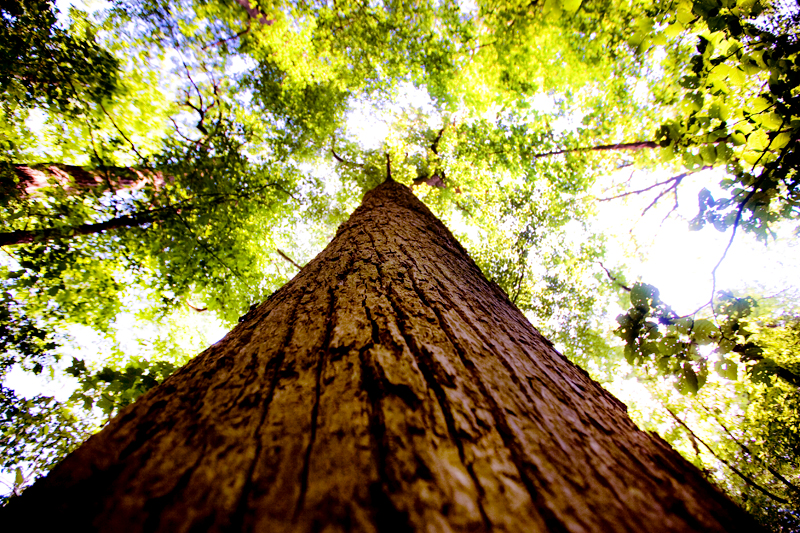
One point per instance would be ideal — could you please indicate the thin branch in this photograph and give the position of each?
(435, 143)
(736, 222)
(437, 179)
(612, 278)
(133, 146)
(193, 308)
(231, 38)
(675, 206)
(49, 234)
(738, 218)
(25, 236)
(745, 449)
(727, 463)
(289, 259)
(660, 195)
(181, 135)
(519, 283)
(673, 179)
(203, 245)
(635, 146)
(196, 88)
(345, 161)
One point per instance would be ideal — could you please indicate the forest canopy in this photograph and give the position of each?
(167, 165)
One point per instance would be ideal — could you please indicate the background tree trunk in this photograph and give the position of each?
(34, 177)
(387, 387)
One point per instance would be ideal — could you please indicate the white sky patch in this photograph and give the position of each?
(27, 385)
(641, 91)
(468, 7)
(678, 261)
(240, 64)
(372, 126)
(371, 130)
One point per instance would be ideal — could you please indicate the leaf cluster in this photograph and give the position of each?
(672, 345)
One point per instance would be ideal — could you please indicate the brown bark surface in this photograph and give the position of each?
(388, 387)
(32, 178)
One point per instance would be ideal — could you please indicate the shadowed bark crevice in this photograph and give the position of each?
(323, 354)
(386, 515)
(435, 379)
(499, 415)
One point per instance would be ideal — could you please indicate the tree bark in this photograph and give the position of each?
(69, 177)
(388, 387)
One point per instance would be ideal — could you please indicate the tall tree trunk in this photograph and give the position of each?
(388, 387)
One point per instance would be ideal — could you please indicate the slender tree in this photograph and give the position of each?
(388, 387)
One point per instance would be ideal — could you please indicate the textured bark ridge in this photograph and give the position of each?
(389, 387)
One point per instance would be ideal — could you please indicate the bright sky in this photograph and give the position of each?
(679, 261)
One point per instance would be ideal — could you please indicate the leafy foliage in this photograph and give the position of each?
(738, 108)
(50, 66)
(38, 431)
(743, 433)
(674, 345)
(111, 389)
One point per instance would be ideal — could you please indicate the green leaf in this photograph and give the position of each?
(763, 371)
(727, 369)
(725, 346)
(641, 294)
(704, 332)
(687, 383)
(570, 6)
(708, 153)
(683, 325)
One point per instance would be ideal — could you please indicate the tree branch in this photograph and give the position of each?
(635, 146)
(231, 38)
(727, 463)
(203, 245)
(745, 449)
(345, 161)
(437, 179)
(49, 234)
(435, 143)
(612, 278)
(193, 308)
(519, 283)
(289, 259)
(34, 177)
(739, 212)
